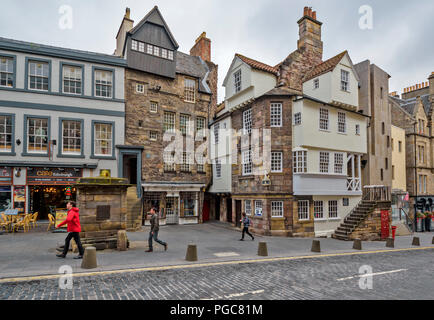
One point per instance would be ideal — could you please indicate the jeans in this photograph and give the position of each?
(76, 236)
(155, 236)
(246, 230)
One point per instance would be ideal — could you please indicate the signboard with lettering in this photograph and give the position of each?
(384, 224)
(53, 176)
(20, 198)
(6, 175)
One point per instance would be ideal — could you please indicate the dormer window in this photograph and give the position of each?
(316, 83)
(345, 80)
(134, 44)
(164, 53)
(237, 81)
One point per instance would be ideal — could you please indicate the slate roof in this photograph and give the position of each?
(324, 67)
(258, 65)
(409, 105)
(426, 103)
(195, 67)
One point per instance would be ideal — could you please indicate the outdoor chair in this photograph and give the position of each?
(33, 219)
(4, 222)
(23, 223)
(51, 221)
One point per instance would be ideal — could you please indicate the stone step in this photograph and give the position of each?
(344, 229)
(339, 237)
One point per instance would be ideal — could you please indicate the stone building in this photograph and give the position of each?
(413, 113)
(373, 93)
(169, 97)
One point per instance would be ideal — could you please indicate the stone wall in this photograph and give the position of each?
(134, 210)
(88, 199)
(370, 228)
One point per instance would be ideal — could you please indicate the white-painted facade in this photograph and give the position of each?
(328, 143)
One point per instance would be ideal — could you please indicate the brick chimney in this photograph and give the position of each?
(310, 33)
(126, 25)
(202, 47)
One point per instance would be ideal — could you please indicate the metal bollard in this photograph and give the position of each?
(191, 254)
(262, 249)
(316, 246)
(89, 258)
(416, 241)
(357, 245)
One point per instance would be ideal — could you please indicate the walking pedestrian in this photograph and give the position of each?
(155, 227)
(74, 229)
(246, 223)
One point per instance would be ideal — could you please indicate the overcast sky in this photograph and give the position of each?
(401, 41)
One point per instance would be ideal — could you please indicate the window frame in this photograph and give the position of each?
(189, 91)
(12, 150)
(247, 121)
(336, 157)
(169, 164)
(93, 144)
(299, 160)
(258, 206)
(245, 164)
(61, 153)
(63, 64)
(331, 206)
(185, 165)
(151, 104)
(113, 87)
(342, 121)
(248, 211)
(28, 60)
(305, 206)
(315, 83)
(316, 206)
(297, 118)
(185, 124)
(218, 169)
(323, 153)
(324, 112)
(216, 131)
(345, 80)
(237, 81)
(26, 136)
(281, 161)
(165, 123)
(277, 116)
(14, 66)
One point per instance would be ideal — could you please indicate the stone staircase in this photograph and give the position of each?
(134, 210)
(352, 220)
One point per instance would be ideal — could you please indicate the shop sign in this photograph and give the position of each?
(20, 198)
(6, 175)
(61, 216)
(56, 176)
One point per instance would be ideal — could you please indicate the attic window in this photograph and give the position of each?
(134, 44)
(164, 53)
(345, 80)
(237, 81)
(316, 83)
(149, 49)
(170, 55)
(141, 47)
(156, 51)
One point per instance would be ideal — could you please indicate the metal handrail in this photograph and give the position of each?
(407, 219)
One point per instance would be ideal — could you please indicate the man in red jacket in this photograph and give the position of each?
(74, 229)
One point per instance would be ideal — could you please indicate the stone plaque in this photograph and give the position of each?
(103, 212)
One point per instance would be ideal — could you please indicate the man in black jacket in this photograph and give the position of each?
(246, 222)
(155, 227)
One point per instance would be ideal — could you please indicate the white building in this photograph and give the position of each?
(245, 80)
(329, 138)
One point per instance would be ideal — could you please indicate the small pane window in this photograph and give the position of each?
(37, 135)
(72, 81)
(149, 49)
(247, 121)
(247, 162)
(164, 53)
(189, 90)
(318, 209)
(170, 55)
(277, 208)
(103, 139)
(323, 119)
(218, 168)
(153, 135)
(103, 83)
(156, 51)
(141, 47)
(153, 107)
(316, 83)
(237, 81)
(297, 118)
(303, 209)
(6, 72)
(5, 133)
(169, 121)
(341, 122)
(276, 161)
(324, 162)
(339, 162)
(276, 115)
(333, 209)
(71, 137)
(38, 75)
(140, 88)
(345, 80)
(248, 207)
(134, 44)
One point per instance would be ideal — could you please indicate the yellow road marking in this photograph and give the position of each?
(199, 265)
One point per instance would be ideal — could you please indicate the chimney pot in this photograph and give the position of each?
(314, 15)
(306, 11)
(310, 12)
(127, 13)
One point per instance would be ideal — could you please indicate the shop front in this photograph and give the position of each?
(50, 189)
(6, 189)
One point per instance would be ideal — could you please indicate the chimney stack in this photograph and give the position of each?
(202, 47)
(310, 33)
(126, 25)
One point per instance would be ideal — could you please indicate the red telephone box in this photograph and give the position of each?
(385, 224)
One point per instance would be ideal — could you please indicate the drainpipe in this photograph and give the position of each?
(415, 180)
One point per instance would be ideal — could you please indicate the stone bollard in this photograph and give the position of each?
(357, 245)
(416, 241)
(191, 252)
(89, 258)
(390, 243)
(122, 240)
(316, 246)
(262, 249)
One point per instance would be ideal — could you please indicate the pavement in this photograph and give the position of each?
(33, 253)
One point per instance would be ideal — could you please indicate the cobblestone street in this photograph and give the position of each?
(396, 275)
